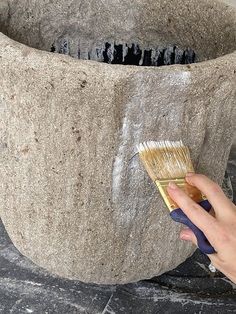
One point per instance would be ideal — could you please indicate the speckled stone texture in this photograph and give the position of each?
(74, 197)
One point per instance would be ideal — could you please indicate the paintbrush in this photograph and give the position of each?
(167, 162)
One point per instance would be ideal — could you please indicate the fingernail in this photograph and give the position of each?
(185, 237)
(172, 186)
(190, 174)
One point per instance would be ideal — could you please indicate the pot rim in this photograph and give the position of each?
(44, 53)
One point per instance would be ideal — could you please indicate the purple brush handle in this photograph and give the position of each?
(179, 216)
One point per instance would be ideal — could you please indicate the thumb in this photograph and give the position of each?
(188, 235)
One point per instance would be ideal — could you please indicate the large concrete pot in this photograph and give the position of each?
(72, 196)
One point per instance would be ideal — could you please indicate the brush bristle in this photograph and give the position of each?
(165, 159)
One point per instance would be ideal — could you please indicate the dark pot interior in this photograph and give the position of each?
(140, 33)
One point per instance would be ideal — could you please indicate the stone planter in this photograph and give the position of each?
(74, 198)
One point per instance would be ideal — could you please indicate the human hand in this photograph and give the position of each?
(219, 226)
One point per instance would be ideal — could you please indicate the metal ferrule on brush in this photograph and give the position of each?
(190, 190)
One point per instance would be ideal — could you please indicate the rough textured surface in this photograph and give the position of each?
(231, 2)
(90, 24)
(191, 288)
(73, 197)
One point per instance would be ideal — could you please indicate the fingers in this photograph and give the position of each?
(188, 235)
(215, 261)
(213, 192)
(219, 230)
(194, 211)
